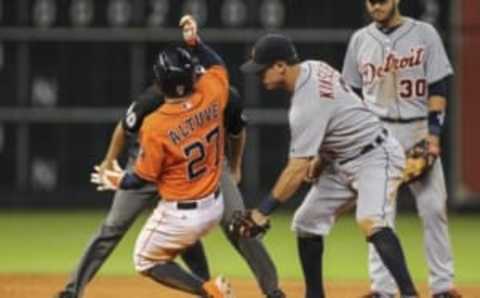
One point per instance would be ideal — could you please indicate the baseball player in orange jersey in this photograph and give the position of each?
(128, 204)
(181, 151)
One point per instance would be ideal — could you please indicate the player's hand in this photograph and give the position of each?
(259, 218)
(433, 143)
(189, 29)
(107, 164)
(315, 168)
(248, 224)
(107, 179)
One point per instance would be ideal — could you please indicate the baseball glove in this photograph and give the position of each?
(243, 225)
(419, 162)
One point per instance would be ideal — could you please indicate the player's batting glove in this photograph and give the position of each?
(244, 225)
(189, 29)
(107, 179)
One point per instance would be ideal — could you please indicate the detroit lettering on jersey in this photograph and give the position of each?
(190, 124)
(393, 62)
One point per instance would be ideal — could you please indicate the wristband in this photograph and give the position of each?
(435, 122)
(131, 181)
(268, 205)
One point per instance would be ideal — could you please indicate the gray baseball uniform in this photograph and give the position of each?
(394, 71)
(327, 117)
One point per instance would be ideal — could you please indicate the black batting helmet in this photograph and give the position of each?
(175, 72)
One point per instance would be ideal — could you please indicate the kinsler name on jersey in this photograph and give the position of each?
(190, 124)
(393, 62)
(326, 76)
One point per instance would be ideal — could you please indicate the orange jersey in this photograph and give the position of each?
(181, 144)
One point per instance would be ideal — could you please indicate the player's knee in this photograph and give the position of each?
(308, 228)
(140, 264)
(106, 239)
(143, 265)
(147, 271)
(368, 226)
(144, 261)
(304, 234)
(434, 213)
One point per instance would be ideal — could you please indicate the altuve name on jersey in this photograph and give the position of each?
(190, 124)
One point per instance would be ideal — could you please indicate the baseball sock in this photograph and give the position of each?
(254, 253)
(172, 275)
(310, 250)
(196, 260)
(390, 251)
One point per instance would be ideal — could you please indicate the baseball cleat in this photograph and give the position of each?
(448, 294)
(378, 295)
(64, 294)
(218, 288)
(276, 294)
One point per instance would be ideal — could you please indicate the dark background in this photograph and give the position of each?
(48, 147)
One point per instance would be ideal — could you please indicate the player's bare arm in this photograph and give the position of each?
(315, 168)
(256, 222)
(207, 57)
(116, 146)
(108, 174)
(236, 145)
(235, 122)
(291, 178)
(116, 178)
(287, 184)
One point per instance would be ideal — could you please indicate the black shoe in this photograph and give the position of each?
(377, 295)
(276, 294)
(65, 294)
(448, 294)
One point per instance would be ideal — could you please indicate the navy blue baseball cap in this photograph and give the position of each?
(267, 50)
